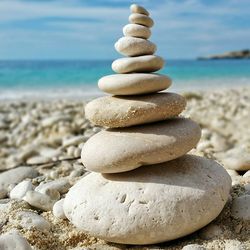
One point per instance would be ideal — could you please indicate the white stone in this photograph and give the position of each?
(136, 30)
(133, 84)
(38, 160)
(241, 207)
(49, 152)
(19, 191)
(237, 158)
(142, 19)
(138, 64)
(135, 8)
(124, 149)
(234, 245)
(15, 176)
(28, 220)
(58, 209)
(193, 247)
(151, 204)
(232, 173)
(117, 111)
(61, 185)
(13, 240)
(49, 121)
(247, 174)
(39, 200)
(73, 141)
(133, 46)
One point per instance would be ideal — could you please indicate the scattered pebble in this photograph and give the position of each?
(13, 240)
(28, 220)
(58, 209)
(241, 207)
(39, 200)
(15, 176)
(19, 191)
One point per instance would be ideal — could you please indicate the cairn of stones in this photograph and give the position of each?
(144, 188)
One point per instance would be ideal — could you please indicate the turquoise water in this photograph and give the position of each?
(18, 78)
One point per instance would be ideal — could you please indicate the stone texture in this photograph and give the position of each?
(237, 158)
(39, 200)
(193, 247)
(15, 176)
(141, 19)
(135, 8)
(58, 209)
(241, 207)
(114, 111)
(13, 240)
(136, 30)
(28, 220)
(133, 46)
(138, 64)
(148, 205)
(124, 149)
(133, 84)
(19, 191)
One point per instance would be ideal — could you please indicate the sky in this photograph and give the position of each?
(81, 29)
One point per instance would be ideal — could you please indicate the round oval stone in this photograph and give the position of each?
(133, 84)
(117, 111)
(138, 64)
(124, 149)
(141, 19)
(133, 46)
(135, 8)
(136, 30)
(151, 204)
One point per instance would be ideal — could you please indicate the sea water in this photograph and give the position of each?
(77, 79)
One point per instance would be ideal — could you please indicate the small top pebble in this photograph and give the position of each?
(134, 8)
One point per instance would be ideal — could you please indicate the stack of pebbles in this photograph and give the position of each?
(144, 188)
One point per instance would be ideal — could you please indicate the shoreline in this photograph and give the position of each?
(76, 93)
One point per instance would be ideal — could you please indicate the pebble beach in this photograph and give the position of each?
(41, 144)
(142, 167)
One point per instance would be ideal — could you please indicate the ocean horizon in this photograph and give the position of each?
(78, 78)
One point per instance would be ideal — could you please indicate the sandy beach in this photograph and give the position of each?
(47, 136)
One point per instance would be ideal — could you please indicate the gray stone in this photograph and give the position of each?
(241, 207)
(13, 240)
(15, 176)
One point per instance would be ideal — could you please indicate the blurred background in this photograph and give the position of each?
(54, 45)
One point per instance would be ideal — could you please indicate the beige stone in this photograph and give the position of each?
(124, 149)
(134, 46)
(117, 111)
(136, 30)
(135, 8)
(149, 63)
(133, 84)
(141, 19)
(151, 204)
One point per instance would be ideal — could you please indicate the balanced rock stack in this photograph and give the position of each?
(145, 188)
